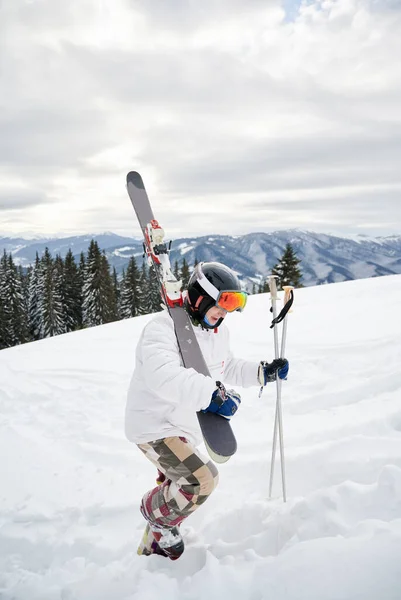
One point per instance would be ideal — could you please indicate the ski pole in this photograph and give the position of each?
(278, 421)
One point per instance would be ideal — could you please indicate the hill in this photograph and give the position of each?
(71, 484)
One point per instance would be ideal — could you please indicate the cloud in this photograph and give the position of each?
(49, 138)
(13, 199)
(218, 104)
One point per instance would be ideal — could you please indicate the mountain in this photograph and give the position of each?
(71, 483)
(24, 251)
(324, 258)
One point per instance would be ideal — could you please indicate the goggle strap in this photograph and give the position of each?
(199, 300)
(209, 288)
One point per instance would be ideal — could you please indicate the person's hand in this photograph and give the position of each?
(268, 372)
(224, 402)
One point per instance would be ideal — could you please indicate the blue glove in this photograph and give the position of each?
(224, 402)
(267, 372)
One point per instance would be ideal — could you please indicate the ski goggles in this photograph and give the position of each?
(229, 300)
(232, 300)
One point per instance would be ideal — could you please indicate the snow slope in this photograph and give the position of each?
(71, 484)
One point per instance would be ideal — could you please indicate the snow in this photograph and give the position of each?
(120, 251)
(123, 251)
(71, 483)
(259, 257)
(362, 237)
(17, 248)
(322, 270)
(184, 248)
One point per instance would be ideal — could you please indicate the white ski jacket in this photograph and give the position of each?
(164, 396)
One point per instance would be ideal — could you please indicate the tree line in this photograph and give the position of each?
(59, 295)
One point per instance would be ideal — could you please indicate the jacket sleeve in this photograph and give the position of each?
(240, 372)
(164, 373)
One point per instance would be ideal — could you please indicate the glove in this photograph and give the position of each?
(267, 372)
(224, 402)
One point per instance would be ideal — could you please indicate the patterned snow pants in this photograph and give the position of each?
(189, 479)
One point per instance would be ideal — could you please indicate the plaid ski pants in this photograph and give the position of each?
(189, 479)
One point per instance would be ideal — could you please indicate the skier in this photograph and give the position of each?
(163, 399)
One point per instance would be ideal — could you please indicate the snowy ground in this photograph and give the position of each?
(70, 483)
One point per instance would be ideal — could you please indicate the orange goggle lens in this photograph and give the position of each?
(232, 301)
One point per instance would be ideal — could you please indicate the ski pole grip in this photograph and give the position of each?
(273, 286)
(287, 294)
(285, 309)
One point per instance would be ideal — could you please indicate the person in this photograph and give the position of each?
(164, 396)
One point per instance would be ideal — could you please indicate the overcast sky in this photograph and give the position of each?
(241, 115)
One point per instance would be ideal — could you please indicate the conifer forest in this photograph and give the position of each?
(58, 295)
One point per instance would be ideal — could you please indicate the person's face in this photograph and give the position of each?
(214, 314)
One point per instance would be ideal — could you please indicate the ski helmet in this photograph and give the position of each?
(206, 286)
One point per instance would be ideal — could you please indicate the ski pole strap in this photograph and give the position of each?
(283, 311)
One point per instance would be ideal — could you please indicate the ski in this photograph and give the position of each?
(217, 434)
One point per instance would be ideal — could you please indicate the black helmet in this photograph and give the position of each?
(204, 287)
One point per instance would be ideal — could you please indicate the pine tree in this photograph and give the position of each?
(58, 282)
(34, 300)
(50, 283)
(13, 314)
(117, 292)
(109, 292)
(154, 291)
(81, 279)
(287, 269)
(176, 270)
(14, 299)
(143, 291)
(130, 293)
(4, 310)
(99, 302)
(72, 293)
(91, 292)
(24, 278)
(81, 269)
(185, 274)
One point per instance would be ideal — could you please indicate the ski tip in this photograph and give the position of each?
(134, 178)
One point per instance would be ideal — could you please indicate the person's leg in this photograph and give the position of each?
(190, 478)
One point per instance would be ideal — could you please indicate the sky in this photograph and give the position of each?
(241, 115)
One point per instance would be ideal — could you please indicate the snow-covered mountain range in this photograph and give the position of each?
(324, 258)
